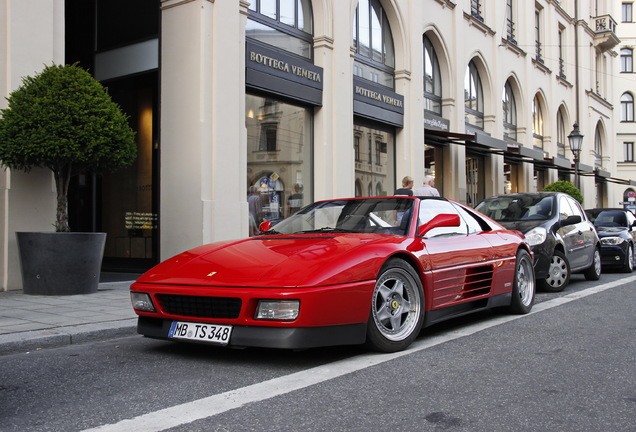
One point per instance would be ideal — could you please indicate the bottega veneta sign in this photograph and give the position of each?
(284, 66)
(277, 72)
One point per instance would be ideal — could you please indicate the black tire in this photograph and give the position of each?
(397, 308)
(558, 275)
(594, 271)
(524, 286)
(628, 265)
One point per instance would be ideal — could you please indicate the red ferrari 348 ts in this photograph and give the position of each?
(339, 272)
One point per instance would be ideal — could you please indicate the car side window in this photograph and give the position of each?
(630, 218)
(576, 208)
(429, 208)
(473, 225)
(565, 209)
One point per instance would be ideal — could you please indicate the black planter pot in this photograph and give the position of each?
(60, 263)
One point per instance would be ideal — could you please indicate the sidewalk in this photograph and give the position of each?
(31, 322)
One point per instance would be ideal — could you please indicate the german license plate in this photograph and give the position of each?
(210, 333)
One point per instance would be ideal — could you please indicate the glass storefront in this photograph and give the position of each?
(279, 165)
(128, 209)
(374, 161)
(475, 186)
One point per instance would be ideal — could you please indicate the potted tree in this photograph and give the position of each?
(63, 119)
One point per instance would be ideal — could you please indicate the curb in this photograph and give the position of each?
(70, 335)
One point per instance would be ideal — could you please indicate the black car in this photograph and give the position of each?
(562, 238)
(616, 227)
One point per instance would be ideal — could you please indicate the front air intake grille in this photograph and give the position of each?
(200, 307)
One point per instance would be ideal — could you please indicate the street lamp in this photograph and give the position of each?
(576, 140)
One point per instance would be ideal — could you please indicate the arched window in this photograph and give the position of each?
(432, 79)
(509, 113)
(598, 148)
(473, 97)
(285, 24)
(561, 137)
(373, 42)
(627, 107)
(537, 123)
(627, 60)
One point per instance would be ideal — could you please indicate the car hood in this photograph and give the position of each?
(264, 261)
(609, 231)
(523, 226)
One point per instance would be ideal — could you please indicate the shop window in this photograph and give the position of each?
(375, 169)
(279, 165)
(509, 113)
(432, 79)
(473, 97)
(373, 42)
(285, 24)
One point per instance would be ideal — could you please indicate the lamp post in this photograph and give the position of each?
(576, 139)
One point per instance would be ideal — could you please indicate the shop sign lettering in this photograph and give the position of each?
(371, 94)
(284, 66)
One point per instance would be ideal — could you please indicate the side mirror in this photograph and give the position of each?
(571, 220)
(439, 221)
(265, 226)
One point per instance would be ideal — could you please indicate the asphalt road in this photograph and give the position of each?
(568, 366)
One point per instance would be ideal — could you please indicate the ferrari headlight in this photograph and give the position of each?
(142, 302)
(278, 310)
(612, 241)
(536, 236)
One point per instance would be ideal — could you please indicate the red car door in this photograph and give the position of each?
(458, 264)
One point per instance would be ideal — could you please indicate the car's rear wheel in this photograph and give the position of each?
(397, 308)
(524, 288)
(628, 266)
(594, 271)
(558, 274)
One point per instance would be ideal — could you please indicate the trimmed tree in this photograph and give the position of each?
(565, 187)
(65, 120)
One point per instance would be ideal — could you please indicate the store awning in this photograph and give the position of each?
(482, 143)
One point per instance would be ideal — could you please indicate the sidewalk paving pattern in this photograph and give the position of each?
(31, 322)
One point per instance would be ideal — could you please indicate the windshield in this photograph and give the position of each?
(390, 215)
(611, 218)
(518, 208)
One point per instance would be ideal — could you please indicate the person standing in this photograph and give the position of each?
(428, 189)
(407, 187)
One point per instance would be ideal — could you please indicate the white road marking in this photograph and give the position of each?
(210, 406)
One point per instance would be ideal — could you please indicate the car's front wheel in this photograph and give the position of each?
(594, 271)
(397, 308)
(628, 266)
(558, 274)
(523, 290)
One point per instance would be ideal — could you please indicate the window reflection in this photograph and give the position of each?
(278, 158)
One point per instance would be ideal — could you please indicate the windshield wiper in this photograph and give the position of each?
(325, 229)
(269, 232)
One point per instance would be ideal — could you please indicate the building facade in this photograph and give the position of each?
(248, 110)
